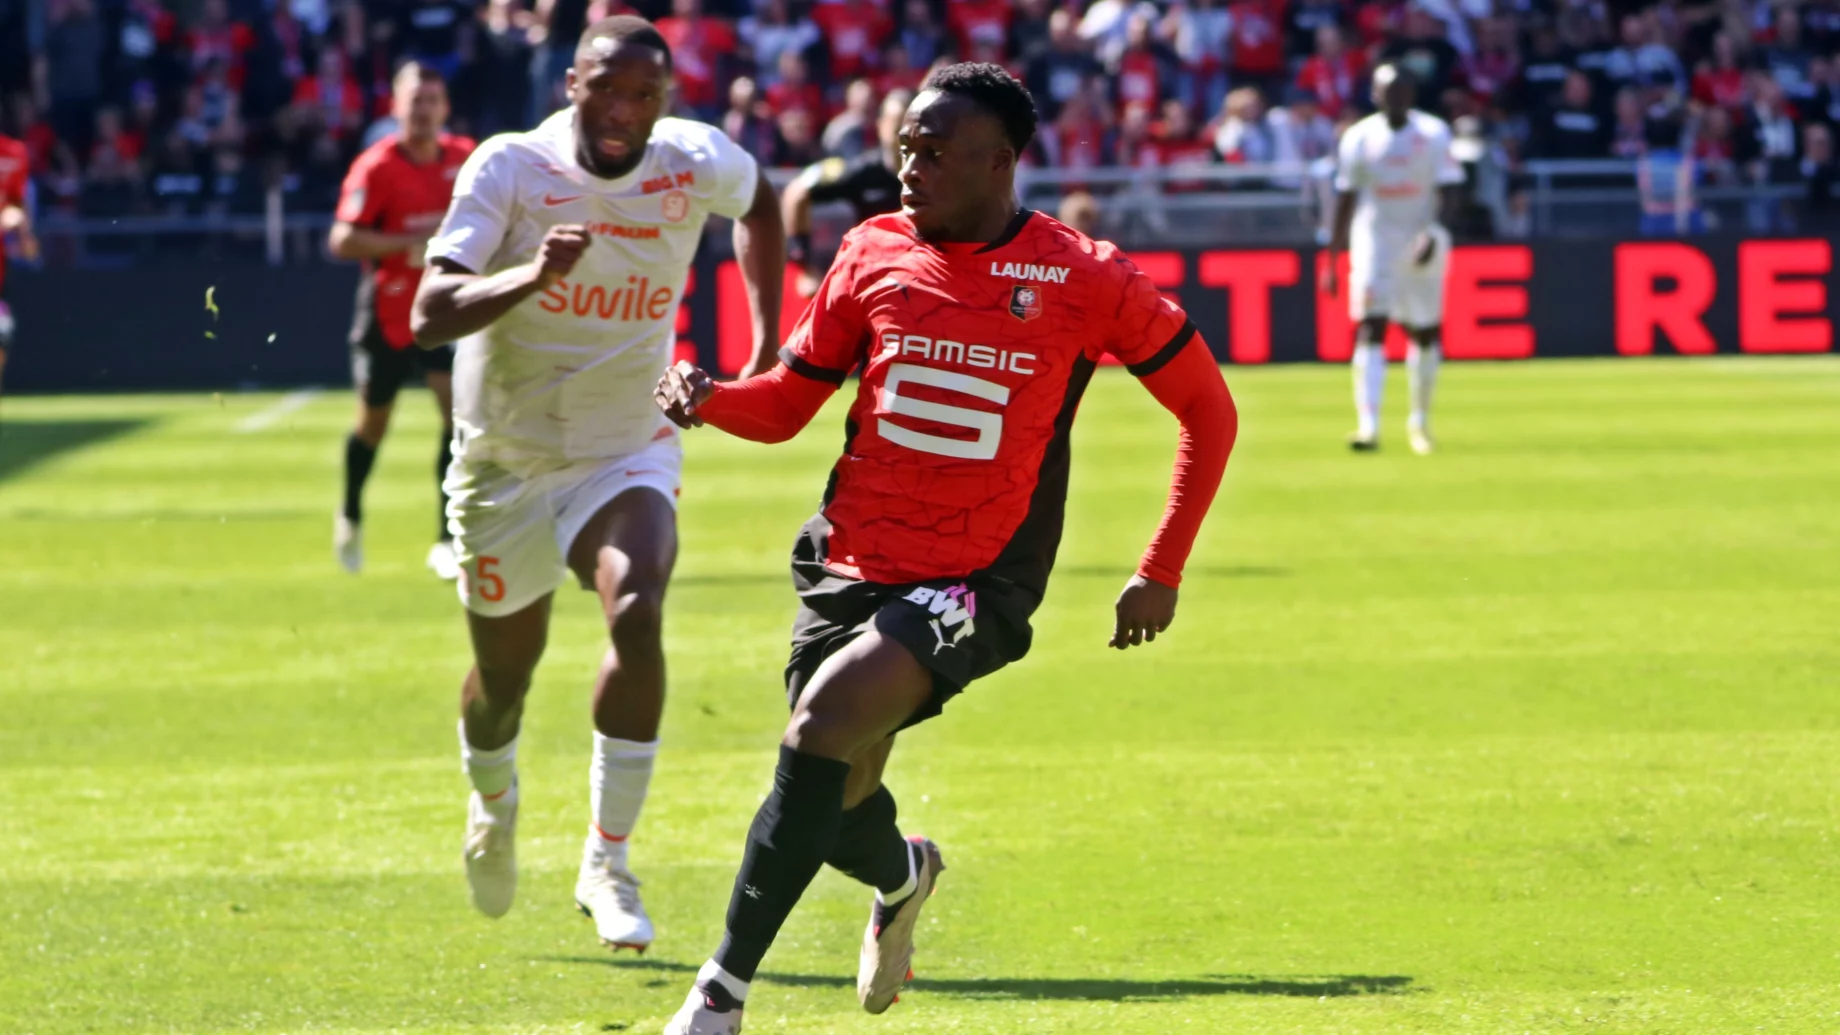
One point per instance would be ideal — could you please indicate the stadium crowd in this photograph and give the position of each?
(192, 105)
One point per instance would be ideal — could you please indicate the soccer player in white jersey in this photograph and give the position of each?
(559, 268)
(1393, 171)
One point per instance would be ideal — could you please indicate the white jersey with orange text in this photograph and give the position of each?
(567, 375)
(1395, 175)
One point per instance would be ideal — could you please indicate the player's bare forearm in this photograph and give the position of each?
(1339, 229)
(454, 302)
(355, 243)
(769, 407)
(760, 249)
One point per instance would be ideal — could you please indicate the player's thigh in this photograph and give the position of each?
(504, 540)
(859, 696)
(1370, 290)
(1419, 302)
(378, 371)
(506, 648)
(628, 547)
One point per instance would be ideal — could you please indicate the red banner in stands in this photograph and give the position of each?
(1506, 301)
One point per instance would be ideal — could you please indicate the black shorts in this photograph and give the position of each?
(380, 371)
(959, 628)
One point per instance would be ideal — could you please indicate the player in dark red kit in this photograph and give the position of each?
(391, 203)
(16, 221)
(977, 324)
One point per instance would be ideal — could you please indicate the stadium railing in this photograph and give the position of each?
(1143, 207)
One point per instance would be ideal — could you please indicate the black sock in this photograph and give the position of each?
(870, 847)
(445, 458)
(792, 834)
(359, 456)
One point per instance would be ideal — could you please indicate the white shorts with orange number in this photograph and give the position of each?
(1385, 282)
(512, 534)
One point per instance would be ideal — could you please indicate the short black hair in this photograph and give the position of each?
(419, 71)
(996, 91)
(624, 28)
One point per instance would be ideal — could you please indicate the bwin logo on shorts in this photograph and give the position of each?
(954, 607)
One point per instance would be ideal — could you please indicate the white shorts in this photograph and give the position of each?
(1384, 282)
(512, 535)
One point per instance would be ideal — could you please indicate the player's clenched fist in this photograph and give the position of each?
(561, 249)
(681, 390)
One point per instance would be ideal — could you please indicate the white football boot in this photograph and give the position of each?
(888, 945)
(1421, 440)
(608, 893)
(710, 1010)
(442, 562)
(348, 543)
(491, 857)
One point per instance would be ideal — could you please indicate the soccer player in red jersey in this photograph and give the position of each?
(976, 324)
(392, 200)
(16, 220)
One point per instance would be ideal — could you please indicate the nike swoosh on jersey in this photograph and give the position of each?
(551, 201)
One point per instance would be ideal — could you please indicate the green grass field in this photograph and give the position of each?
(1540, 734)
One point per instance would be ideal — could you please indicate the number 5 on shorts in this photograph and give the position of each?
(487, 582)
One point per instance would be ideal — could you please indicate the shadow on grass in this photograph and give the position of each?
(1109, 571)
(1110, 990)
(24, 444)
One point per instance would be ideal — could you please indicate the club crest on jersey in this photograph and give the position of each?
(1025, 302)
(676, 205)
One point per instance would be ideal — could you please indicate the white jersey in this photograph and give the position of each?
(567, 375)
(1395, 175)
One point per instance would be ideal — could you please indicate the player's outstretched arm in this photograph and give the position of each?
(760, 249)
(1189, 386)
(355, 243)
(771, 407)
(454, 302)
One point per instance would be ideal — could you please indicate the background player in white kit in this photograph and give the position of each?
(1393, 171)
(560, 267)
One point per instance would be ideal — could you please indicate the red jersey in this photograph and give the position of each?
(974, 358)
(979, 21)
(1258, 39)
(1140, 80)
(697, 46)
(15, 166)
(388, 192)
(1334, 83)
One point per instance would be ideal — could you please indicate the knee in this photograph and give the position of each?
(637, 621)
(503, 682)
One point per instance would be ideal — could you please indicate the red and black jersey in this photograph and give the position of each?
(15, 167)
(973, 360)
(389, 192)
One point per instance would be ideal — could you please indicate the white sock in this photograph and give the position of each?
(1422, 371)
(1369, 384)
(902, 893)
(617, 780)
(713, 974)
(493, 773)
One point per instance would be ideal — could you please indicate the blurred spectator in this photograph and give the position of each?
(1080, 211)
(1542, 78)
(1573, 130)
(1076, 139)
(1719, 80)
(1767, 145)
(798, 138)
(1201, 32)
(177, 184)
(1061, 73)
(773, 32)
(218, 43)
(698, 46)
(795, 90)
(329, 100)
(748, 122)
(1665, 181)
(1824, 106)
(854, 31)
(112, 175)
(1786, 57)
(898, 73)
(1106, 25)
(1028, 33)
(1143, 69)
(73, 52)
(505, 55)
(1175, 146)
(1245, 136)
(1714, 151)
(1643, 61)
(1422, 51)
(1629, 125)
(975, 22)
(1305, 20)
(1495, 66)
(920, 34)
(1333, 75)
(1819, 169)
(852, 130)
(1256, 56)
(1301, 133)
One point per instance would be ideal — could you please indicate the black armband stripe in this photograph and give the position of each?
(1164, 354)
(806, 368)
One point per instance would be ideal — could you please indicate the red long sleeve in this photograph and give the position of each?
(1190, 386)
(769, 407)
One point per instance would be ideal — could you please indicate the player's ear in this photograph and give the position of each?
(1003, 159)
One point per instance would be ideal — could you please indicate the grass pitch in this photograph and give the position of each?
(1540, 734)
